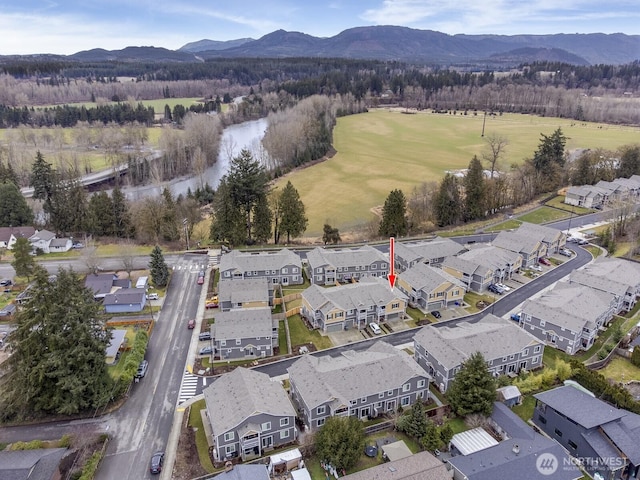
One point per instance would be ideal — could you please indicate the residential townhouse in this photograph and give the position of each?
(503, 263)
(9, 235)
(362, 384)
(632, 184)
(531, 248)
(244, 333)
(442, 349)
(516, 455)
(249, 414)
(586, 196)
(245, 293)
(474, 277)
(615, 192)
(569, 316)
(553, 238)
(430, 252)
(616, 276)
(430, 288)
(603, 437)
(328, 266)
(282, 267)
(355, 305)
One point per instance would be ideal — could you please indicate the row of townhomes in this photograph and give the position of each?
(328, 266)
(40, 240)
(442, 349)
(603, 192)
(571, 314)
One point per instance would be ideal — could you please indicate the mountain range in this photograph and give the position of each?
(401, 44)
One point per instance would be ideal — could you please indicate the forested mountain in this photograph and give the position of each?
(206, 44)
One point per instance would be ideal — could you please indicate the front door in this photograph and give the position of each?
(267, 441)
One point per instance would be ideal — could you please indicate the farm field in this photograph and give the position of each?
(158, 104)
(383, 150)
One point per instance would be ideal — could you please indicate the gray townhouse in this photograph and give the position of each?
(515, 455)
(430, 252)
(615, 192)
(474, 277)
(442, 349)
(328, 266)
(503, 263)
(362, 384)
(245, 293)
(430, 288)
(249, 414)
(354, 305)
(586, 196)
(603, 437)
(244, 333)
(553, 238)
(531, 248)
(569, 316)
(632, 184)
(282, 267)
(616, 276)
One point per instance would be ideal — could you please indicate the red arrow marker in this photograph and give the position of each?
(392, 261)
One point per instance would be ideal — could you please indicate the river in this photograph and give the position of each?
(246, 135)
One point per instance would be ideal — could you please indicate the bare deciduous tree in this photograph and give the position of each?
(496, 145)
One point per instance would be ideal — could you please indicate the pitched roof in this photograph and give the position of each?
(490, 257)
(44, 235)
(245, 472)
(466, 266)
(244, 290)
(569, 305)
(548, 234)
(59, 242)
(427, 250)
(40, 464)
(492, 336)
(421, 466)
(427, 278)
(243, 323)
(352, 375)
(258, 261)
(18, 232)
(345, 257)
(125, 296)
(100, 283)
(614, 270)
(117, 337)
(517, 242)
(237, 396)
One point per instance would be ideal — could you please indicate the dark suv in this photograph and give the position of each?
(157, 459)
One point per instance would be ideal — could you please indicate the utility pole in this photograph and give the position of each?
(484, 121)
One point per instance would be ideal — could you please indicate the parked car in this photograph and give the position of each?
(496, 289)
(6, 283)
(544, 261)
(157, 460)
(436, 314)
(515, 317)
(582, 241)
(566, 252)
(572, 240)
(77, 245)
(142, 369)
(200, 277)
(375, 328)
(503, 286)
(153, 296)
(191, 324)
(212, 302)
(537, 268)
(204, 336)
(208, 350)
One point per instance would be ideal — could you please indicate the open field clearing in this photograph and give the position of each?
(383, 150)
(158, 105)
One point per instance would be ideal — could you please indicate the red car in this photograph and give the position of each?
(544, 261)
(191, 324)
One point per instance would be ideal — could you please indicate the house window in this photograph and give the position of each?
(542, 323)
(526, 352)
(381, 395)
(227, 274)
(406, 387)
(318, 278)
(238, 341)
(536, 349)
(379, 405)
(573, 445)
(229, 436)
(257, 338)
(231, 449)
(320, 422)
(284, 434)
(404, 401)
(321, 410)
(274, 280)
(504, 359)
(284, 271)
(357, 268)
(363, 400)
(395, 305)
(284, 421)
(294, 270)
(390, 392)
(558, 432)
(420, 383)
(248, 274)
(295, 278)
(266, 426)
(223, 343)
(542, 419)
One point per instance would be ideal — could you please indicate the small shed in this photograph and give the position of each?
(509, 395)
(117, 338)
(143, 282)
(284, 461)
(472, 441)
(396, 451)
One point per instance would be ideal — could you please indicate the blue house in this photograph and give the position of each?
(125, 300)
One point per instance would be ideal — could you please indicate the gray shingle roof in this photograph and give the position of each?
(427, 250)
(237, 396)
(243, 323)
(259, 261)
(245, 472)
(614, 270)
(59, 242)
(583, 277)
(100, 283)
(427, 278)
(345, 257)
(548, 234)
(492, 336)
(44, 235)
(466, 266)
(352, 375)
(421, 466)
(125, 296)
(18, 232)
(569, 305)
(490, 257)
(40, 464)
(244, 290)
(517, 242)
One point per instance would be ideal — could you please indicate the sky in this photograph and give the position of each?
(69, 26)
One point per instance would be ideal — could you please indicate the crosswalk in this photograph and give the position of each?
(188, 388)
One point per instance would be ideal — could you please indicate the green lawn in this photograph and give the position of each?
(595, 251)
(301, 334)
(544, 215)
(282, 338)
(195, 422)
(385, 150)
(471, 298)
(457, 425)
(621, 370)
(158, 104)
(510, 224)
(526, 408)
(558, 202)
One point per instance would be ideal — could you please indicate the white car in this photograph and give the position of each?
(504, 287)
(375, 328)
(153, 296)
(537, 268)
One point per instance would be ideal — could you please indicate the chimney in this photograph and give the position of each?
(228, 466)
(516, 449)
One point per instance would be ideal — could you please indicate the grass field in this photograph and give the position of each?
(544, 215)
(158, 105)
(382, 150)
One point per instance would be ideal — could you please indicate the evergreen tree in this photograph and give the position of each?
(548, 160)
(293, 220)
(446, 433)
(100, 215)
(228, 224)
(8, 174)
(170, 231)
(14, 211)
(58, 363)
(23, 262)
(431, 439)
(330, 235)
(122, 227)
(340, 442)
(158, 268)
(629, 161)
(448, 204)
(416, 423)
(394, 215)
(262, 220)
(473, 389)
(635, 356)
(42, 178)
(475, 189)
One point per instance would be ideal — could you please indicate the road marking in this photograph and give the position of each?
(188, 387)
